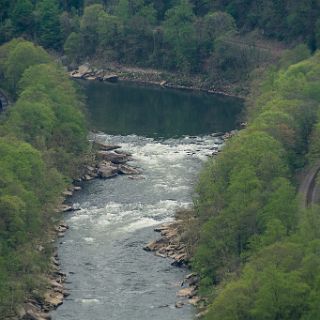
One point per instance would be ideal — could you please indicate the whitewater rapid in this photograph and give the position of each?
(109, 275)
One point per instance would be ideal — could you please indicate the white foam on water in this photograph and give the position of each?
(141, 223)
(169, 166)
(80, 216)
(133, 216)
(88, 301)
(154, 153)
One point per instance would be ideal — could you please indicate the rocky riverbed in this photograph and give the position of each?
(171, 246)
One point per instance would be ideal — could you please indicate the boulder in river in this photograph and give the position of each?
(124, 169)
(65, 208)
(187, 292)
(218, 141)
(128, 154)
(105, 146)
(155, 245)
(194, 300)
(67, 193)
(163, 83)
(32, 315)
(75, 74)
(53, 299)
(106, 170)
(110, 78)
(87, 177)
(217, 134)
(112, 157)
(162, 228)
(84, 70)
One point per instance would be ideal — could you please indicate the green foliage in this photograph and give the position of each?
(20, 57)
(221, 40)
(48, 23)
(219, 23)
(73, 46)
(42, 143)
(22, 16)
(109, 30)
(256, 246)
(135, 40)
(180, 35)
(89, 28)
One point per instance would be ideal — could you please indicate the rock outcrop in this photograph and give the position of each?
(106, 170)
(113, 157)
(109, 162)
(86, 72)
(170, 245)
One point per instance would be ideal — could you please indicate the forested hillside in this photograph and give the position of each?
(221, 40)
(255, 248)
(42, 143)
(258, 249)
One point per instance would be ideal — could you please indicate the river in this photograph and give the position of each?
(169, 134)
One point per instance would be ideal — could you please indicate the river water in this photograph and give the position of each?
(169, 134)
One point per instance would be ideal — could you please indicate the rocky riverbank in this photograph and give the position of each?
(108, 161)
(164, 79)
(171, 245)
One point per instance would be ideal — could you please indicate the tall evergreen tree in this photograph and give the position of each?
(48, 23)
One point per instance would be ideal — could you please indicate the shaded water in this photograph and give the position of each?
(109, 275)
(157, 112)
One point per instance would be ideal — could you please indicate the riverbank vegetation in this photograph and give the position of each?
(43, 139)
(218, 40)
(257, 250)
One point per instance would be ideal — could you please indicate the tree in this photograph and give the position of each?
(89, 28)
(68, 24)
(180, 35)
(47, 115)
(122, 10)
(6, 31)
(72, 4)
(219, 24)
(110, 33)
(200, 7)
(74, 46)
(48, 23)
(22, 17)
(33, 122)
(21, 57)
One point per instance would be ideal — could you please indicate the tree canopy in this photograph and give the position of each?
(42, 144)
(256, 253)
(221, 40)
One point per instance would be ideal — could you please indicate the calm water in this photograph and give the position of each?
(110, 277)
(157, 112)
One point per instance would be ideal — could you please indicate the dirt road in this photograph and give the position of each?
(308, 188)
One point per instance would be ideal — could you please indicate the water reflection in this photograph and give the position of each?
(125, 108)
